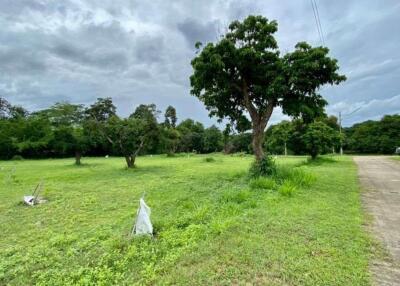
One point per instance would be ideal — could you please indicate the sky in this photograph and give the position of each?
(139, 52)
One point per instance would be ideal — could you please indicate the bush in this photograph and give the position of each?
(265, 167)
(288, 188)
(209, 159)
(262, 183)
(17, 158)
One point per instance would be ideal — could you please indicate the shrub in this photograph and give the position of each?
(17, 158)
(288, 188)
(265, 167)
(209, 159)
(262, 183)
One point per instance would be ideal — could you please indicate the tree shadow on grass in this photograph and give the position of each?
(149, 170)
(320, 161)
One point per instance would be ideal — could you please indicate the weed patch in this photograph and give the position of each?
(288, 188)
(262, 183)
(209, 160)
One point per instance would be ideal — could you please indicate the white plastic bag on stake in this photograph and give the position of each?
(143, 223)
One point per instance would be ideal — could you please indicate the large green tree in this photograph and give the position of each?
(244, 73)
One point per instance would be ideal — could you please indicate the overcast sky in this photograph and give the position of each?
(140, 51)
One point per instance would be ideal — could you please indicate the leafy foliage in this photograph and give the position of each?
(317, 138)
(379, 137)
(101, 110)
(264, 167)
(127, 136)
(170, 117)
(244, 72)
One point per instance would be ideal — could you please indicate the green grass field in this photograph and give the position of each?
(213, 226)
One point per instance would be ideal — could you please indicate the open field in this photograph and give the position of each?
(211, 226)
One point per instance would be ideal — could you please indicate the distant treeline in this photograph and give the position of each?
(368, 137)
(65, 130)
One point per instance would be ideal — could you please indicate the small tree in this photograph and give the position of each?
(244, 73)
(127, 137)
(318, 138)
(148, 113)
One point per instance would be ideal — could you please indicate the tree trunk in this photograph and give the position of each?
(78, 157)
(130, 161)
(314, 154)
(258, 119)
(258, 139)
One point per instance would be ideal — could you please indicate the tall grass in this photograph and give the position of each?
(286, 180)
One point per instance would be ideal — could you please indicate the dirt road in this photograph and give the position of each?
(380, 177)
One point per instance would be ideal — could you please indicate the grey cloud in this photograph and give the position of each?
(101, 58)
(195, 31)
(149, 49)
(353, 112)
(17, 62)
(140, 51)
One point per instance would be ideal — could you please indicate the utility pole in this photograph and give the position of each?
(340, 133)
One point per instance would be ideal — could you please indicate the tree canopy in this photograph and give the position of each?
(244, 73)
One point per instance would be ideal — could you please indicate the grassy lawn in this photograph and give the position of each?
(396, 158)
(211, 227)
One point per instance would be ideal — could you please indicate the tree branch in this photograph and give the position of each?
(247, 102)
(102, 131)
(139, 148)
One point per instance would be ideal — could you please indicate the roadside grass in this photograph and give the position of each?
(396, 158)
(212, 224)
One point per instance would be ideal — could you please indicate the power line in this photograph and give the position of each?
(355, 110)
(317, 21)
